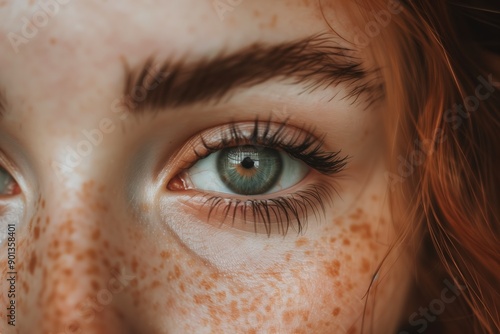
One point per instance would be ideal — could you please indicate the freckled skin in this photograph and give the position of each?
(107, 249)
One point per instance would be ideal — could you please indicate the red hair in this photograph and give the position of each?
(433, 57)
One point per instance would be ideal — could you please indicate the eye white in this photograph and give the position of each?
(205, 176)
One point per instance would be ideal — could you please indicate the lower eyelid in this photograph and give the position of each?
(278, 215)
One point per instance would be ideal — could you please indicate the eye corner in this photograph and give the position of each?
(178, 183)
(9, 187)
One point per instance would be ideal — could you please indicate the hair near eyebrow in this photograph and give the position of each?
(317, 61)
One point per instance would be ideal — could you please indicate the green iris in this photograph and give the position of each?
(249, 170)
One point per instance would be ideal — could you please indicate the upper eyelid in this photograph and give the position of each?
(212, 139)
(303, 144)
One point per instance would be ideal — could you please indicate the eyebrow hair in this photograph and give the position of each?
(316, 60)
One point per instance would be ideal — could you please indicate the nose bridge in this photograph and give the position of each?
(73, 281)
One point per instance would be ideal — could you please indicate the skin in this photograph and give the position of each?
(107, 248)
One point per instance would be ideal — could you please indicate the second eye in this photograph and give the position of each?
(246, 170)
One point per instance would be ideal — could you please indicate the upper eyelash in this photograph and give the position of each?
(303, 145)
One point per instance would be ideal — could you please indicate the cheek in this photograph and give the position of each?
(84, 268)
(318, 285)
(71, 265)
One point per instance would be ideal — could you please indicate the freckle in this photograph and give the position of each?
(155, 284)
(235, 312)
(43, 203)
(357, 214)
(363, 229)
(274, 19)
(332, 240)
(215, 276)
(36, 233)
(26, 287)
(287, 317)
(119, 314)
(352, 330)
(333, 268)
(336, 311)
(68, 225)
(47, 220)
(182, 287)
(105, 244)
(69, 245)
(346, 242)
(95, 285)
(32, 264)
(38, 220)
(206, 285)
(365, 265)
(338, 221)
(93, 270)
(96, 234)
(301, 242)
(288, 256)
(177, 271)
(67, 271)
(165, 255)
(202, 299)
(135, 264)
(221, 296)
(106, 262)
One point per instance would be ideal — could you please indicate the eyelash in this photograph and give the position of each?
(304, 145)
(283, 212)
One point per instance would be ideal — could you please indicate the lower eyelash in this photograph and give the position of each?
(281, 213)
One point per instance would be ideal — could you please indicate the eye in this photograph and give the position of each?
(8, 186)
(247, 170)
(238, 170)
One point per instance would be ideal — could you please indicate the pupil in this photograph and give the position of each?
(247, 163)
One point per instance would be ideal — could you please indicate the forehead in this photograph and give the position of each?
(56, 32)
(52, 49)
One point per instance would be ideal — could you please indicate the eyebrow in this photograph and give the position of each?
(317, 61)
